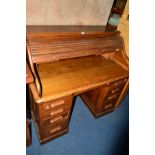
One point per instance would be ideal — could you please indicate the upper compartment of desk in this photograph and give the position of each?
(53, 43)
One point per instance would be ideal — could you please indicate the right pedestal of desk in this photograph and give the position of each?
(106, 98)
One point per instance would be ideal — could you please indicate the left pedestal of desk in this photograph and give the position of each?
(51, 118)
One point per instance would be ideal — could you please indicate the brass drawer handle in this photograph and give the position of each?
(125, 80)
(55, 129)
(57, 103)
(115, 90)
(112, 96)
(108, 106)
(47, 107)
(56, 119)
(57, 112)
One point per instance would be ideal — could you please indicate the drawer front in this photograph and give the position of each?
(56, 112)
(109, 106)
(117, 84)
(57, 104)
(53, 120)
(114, 92)
(57, 107)
(54, 129)
(111, 98)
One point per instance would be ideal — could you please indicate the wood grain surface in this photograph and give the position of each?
(75, 75)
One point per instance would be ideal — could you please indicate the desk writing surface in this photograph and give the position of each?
(71, 76)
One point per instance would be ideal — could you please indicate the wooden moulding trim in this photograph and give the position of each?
(125, 57)
(123, 51)
(38, 85)
(36, 97)
(120, 64)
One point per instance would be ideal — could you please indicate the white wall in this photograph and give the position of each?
(68, 12)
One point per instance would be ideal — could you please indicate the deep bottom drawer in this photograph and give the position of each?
(54, 130)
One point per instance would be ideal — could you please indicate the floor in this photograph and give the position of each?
(107, 135)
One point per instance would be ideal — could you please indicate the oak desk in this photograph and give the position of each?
(67, 61)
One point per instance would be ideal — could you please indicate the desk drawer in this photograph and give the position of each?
(57, 104)
(117, 84)
(56, 108)
(57, 112)
(109, 106)
(114, 92)
(52, 120)
(54, 129)
(104, 99)
(113, 96)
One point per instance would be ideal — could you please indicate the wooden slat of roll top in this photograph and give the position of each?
(69, 41)
(41, 40)
(44, 50)
(93, 42)
(64, 46)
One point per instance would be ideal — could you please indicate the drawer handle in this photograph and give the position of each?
(47, 107)
(115, 90)
(55, 129)
(108, 106)
(57, 112)
(112, 97)
(57, 103)
(56, 119)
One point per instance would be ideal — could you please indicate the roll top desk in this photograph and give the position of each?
(67, 61)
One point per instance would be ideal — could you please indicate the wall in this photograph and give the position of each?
(124, 27)
(67, 12)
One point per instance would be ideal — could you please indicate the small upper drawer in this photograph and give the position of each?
(59, 103)
(55, 129)
(55, 107)
(114, 91)
(57, 111)
(116, 84)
